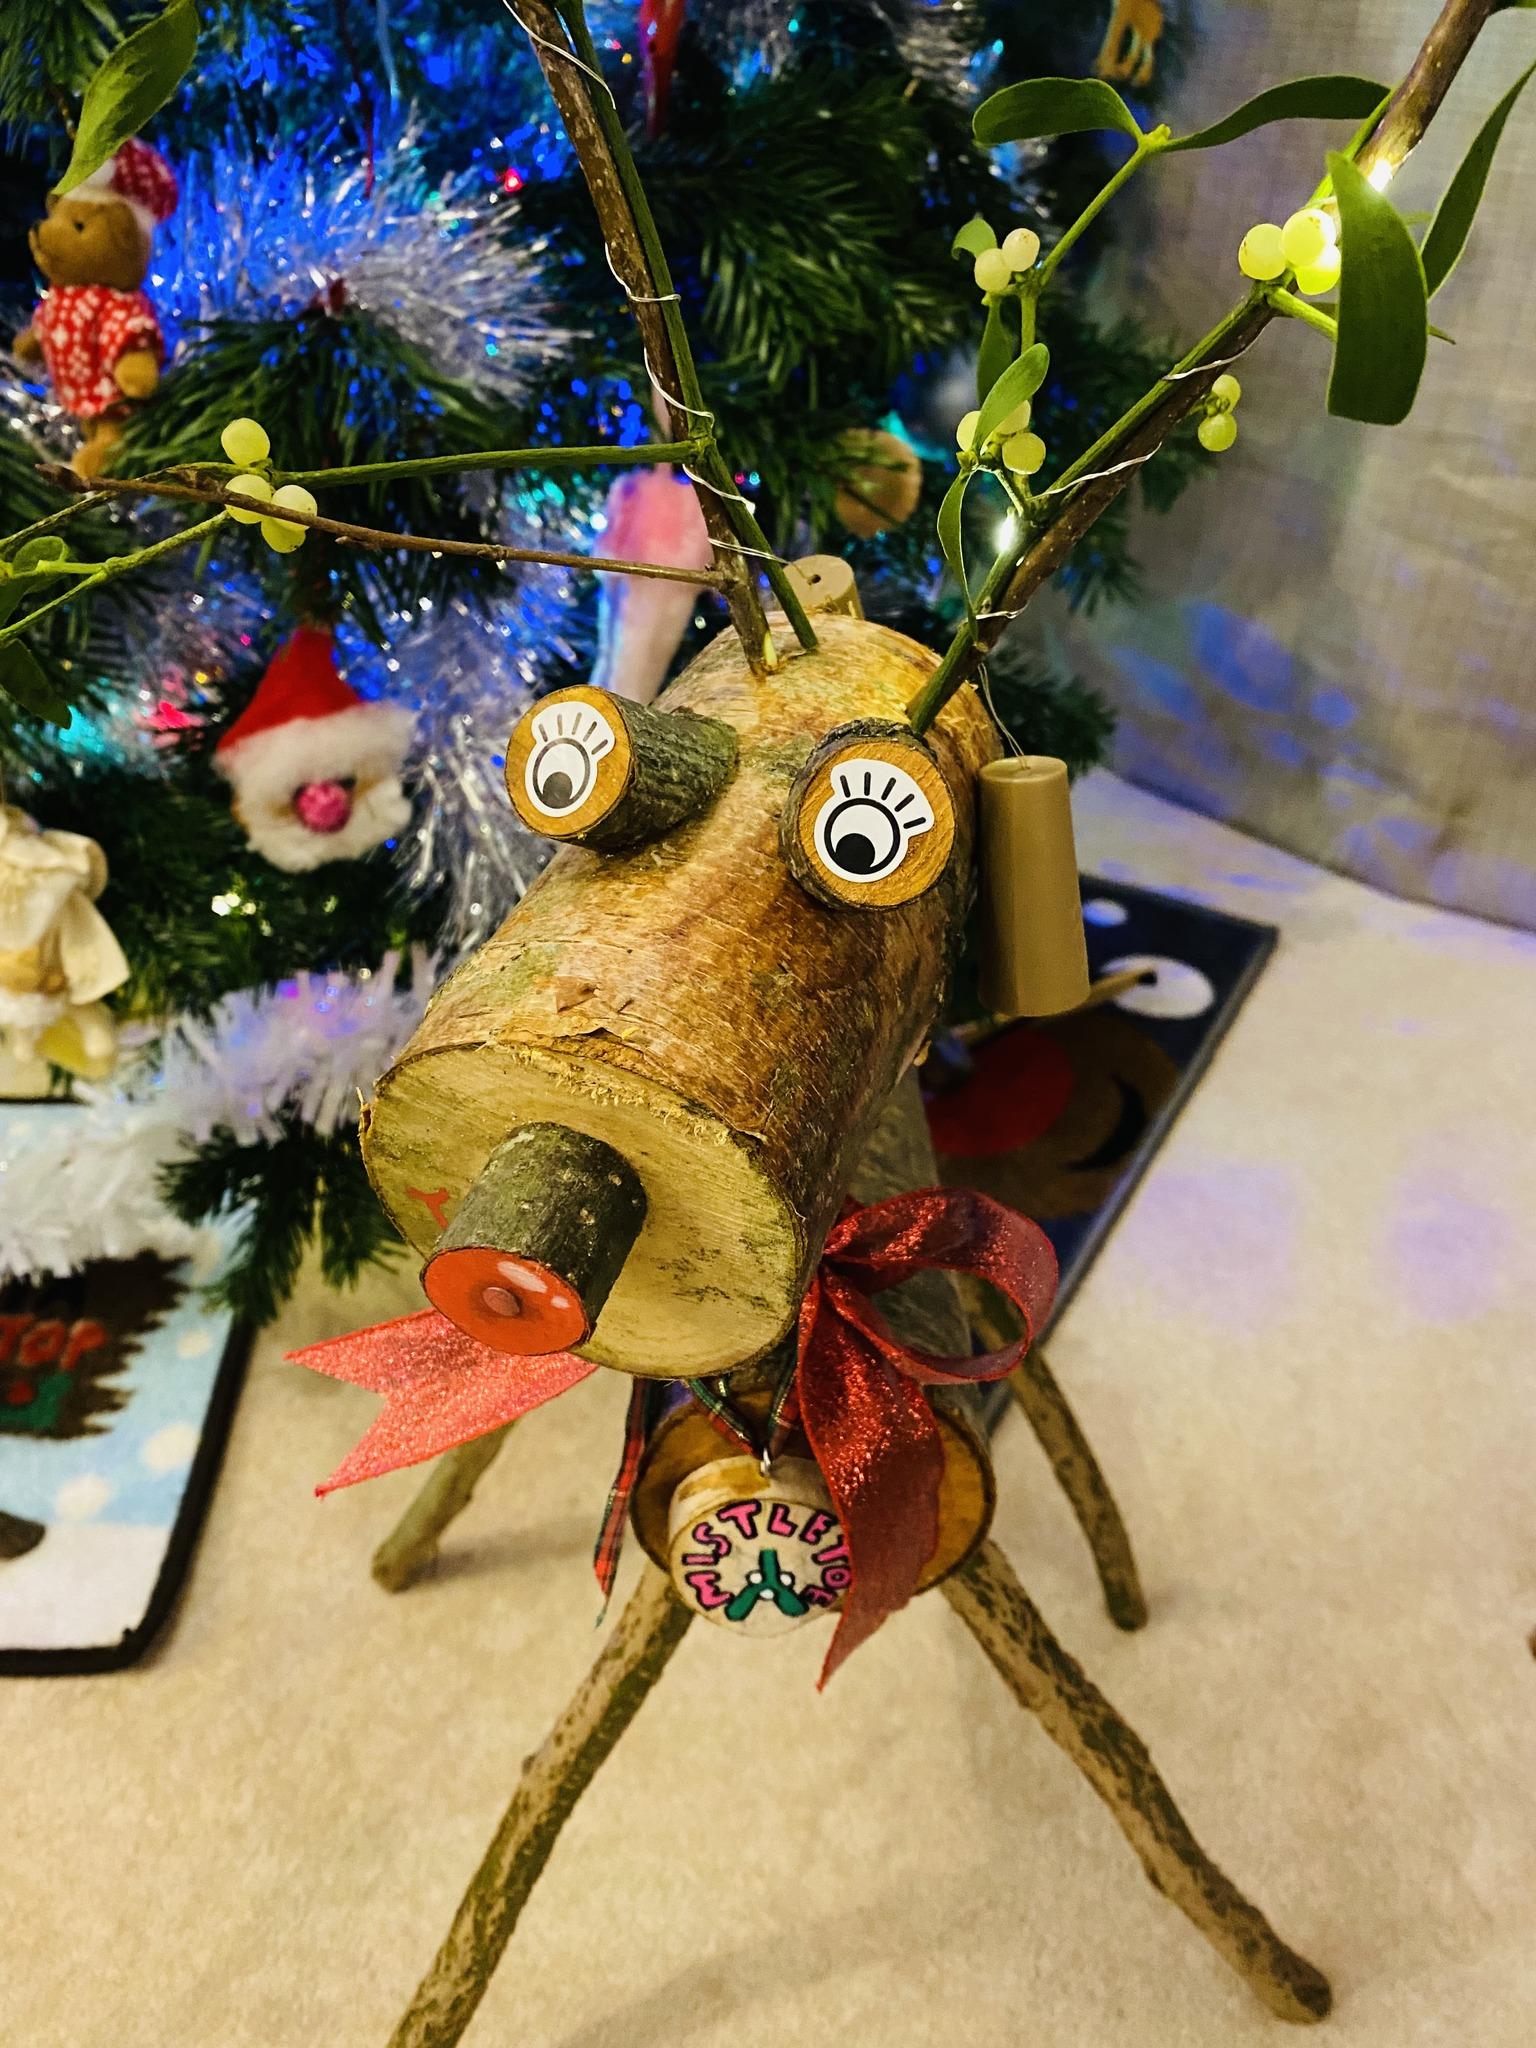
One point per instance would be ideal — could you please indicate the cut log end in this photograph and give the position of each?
(538, 1241)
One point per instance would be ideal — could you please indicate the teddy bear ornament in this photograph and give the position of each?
(94, 329)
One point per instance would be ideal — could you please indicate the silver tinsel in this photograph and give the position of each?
(258, 234)
(469, 678)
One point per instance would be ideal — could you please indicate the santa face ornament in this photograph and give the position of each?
(314, 768)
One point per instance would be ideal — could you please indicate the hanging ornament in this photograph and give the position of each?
(1130, 42)
(58, 956)
(661, 26)
(653, 516)
(94, 328)
(315, 769)
(882, 480)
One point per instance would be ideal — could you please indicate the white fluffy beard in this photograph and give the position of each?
(379, 811)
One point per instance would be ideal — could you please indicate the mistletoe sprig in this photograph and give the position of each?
(1347, 234)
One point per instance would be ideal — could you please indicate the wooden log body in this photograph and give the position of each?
(689, 1004)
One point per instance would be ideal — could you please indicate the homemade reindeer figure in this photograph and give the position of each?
(626, 1133)
(622, 1137)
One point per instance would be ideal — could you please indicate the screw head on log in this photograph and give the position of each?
(757, 1554)
(870, 822)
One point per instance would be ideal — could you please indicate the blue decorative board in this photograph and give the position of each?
(117, 1387)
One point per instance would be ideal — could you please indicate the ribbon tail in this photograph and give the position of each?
(440, 1388)
(873, 1435)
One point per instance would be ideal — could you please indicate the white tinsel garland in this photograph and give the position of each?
(77, 1185)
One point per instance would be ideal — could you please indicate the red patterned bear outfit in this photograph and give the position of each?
(85, 331)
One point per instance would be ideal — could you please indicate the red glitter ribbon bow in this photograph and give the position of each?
(870, 1426)
(858, 1388)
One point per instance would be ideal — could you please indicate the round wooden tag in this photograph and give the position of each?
(869, 822)
(759, 1555)
(569, 762)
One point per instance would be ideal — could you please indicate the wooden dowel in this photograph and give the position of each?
(1060, 1435)
(554, 1778)
(1113, 1758)
(1033, 1386)
(411, 1546)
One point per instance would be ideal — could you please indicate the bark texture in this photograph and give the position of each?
(411, 1546)
(690, 1005)
(554, 1778)
(1113, 1758)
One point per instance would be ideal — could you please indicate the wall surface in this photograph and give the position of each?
(1337, 644)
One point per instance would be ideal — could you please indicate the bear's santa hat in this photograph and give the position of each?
(141, 179)
(307, 727)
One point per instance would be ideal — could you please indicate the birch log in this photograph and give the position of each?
(690, 1005)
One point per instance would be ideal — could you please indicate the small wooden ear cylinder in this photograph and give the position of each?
(825, 583)
(537, 1241)
(1034, 958)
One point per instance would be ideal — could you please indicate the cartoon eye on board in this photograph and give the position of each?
(569, 740)
(869, 822)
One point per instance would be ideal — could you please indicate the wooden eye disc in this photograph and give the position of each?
(869, 822)
(511, 1304)
(569, 762)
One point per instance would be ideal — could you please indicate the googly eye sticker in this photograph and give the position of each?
(568, 762)
(869, 821)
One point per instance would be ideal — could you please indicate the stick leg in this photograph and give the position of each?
(1114, 1759)
(554, 1778)
(411, 1545)
(1033, 1386)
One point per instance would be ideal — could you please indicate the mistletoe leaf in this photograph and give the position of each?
(131, 87)
(951, 545)
(1456, 212)
(996, 351)
(1051, 106)
(1021, 380)
(22, 679)
(974, 238)
(1383, 336)
(1335, 96)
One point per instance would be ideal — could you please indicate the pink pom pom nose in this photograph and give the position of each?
(323, 806)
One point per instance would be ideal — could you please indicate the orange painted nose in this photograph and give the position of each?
(534, 1247)
(511, 1304)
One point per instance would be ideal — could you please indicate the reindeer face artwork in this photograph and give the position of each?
(627, 1123)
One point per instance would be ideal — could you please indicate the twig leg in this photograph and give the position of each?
(1074, 1713)
(1033, 1386)
(449, 1487)
(554, 1778)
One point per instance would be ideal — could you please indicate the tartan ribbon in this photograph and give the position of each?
(858, 1390)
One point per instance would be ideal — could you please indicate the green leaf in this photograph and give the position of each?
(131, 87)
(33, 554)
(1383, 338)
(22, 679)
(975, 237)
(951, 546)
(1021, 380)
(997, 351)
(1453, 219)
(1337, 96)
(1051, 106)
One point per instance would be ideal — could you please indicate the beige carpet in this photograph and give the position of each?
(1305, 1357)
